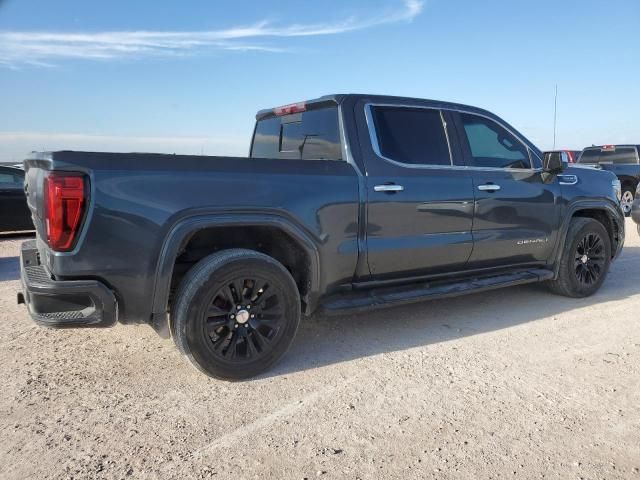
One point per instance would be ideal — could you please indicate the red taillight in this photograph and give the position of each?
(64, 197)
(289, 109)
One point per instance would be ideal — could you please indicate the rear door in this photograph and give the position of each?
(517, 213)
(420, 204)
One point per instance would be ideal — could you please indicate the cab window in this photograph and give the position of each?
(413, 136)
(310, 135)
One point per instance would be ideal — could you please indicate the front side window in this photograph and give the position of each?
(411, 135)
(492, 145)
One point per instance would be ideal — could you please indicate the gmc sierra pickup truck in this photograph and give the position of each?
(346, 202)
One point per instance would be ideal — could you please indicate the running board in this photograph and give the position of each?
(390, 296)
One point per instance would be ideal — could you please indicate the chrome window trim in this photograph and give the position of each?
(376, 147)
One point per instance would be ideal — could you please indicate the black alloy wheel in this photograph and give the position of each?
(235, 313)
(589, 259)
(243, 319)
(585, 259)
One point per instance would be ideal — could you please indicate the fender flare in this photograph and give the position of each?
(603, 204)
(183, 229)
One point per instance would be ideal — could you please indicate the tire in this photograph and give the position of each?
(585, 259)
(626, 200)
(236, 313)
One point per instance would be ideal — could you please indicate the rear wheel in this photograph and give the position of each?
(585, 259)
(236, 313)
(626, 201)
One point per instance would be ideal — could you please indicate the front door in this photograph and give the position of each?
(517, 213)
(420, 205)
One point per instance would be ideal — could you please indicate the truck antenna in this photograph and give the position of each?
(555, 116)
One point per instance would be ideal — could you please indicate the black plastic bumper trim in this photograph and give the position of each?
(66, 303)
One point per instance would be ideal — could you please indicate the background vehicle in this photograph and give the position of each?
(623, 160)
(568, 156)
(347, 202)
(14, 213)
(635, 209)
(571, 155)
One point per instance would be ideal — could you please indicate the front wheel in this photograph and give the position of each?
(236, 313)
(585, 259)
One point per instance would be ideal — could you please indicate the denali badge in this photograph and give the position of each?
(532, 240)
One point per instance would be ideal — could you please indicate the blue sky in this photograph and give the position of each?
(188, 76)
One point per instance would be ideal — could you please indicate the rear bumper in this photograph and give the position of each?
(66, 303)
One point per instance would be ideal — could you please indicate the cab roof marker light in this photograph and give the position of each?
(289, 109)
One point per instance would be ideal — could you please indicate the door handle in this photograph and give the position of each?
(388, 188)
(490, 187)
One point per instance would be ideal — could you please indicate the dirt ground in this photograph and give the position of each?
(516, 383)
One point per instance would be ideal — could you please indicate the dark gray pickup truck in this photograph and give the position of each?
(346, 202)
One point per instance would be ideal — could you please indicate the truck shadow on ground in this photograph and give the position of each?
(324, 340)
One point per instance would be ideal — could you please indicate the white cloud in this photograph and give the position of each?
(42, 48)
(15, 146)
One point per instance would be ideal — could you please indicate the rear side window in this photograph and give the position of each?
(411, 135)
(609, 155)
(311, 135)
(589, 156)
(493, 146)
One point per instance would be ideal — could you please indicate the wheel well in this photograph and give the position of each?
(628, 182)
(605, 219)
(265, 239)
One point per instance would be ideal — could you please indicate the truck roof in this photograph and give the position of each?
(619, 145)
(339, 98)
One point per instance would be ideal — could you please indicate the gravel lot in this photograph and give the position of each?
(515, 383)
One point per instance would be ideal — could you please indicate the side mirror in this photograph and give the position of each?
(554, 162)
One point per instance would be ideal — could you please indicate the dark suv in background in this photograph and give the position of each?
(623, 160)
(14, 214)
